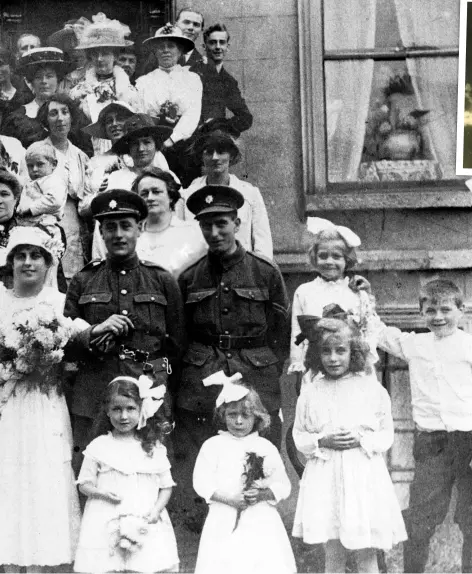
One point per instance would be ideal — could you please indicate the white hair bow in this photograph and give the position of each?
(231, 392)
(152, 399)
(316, 225)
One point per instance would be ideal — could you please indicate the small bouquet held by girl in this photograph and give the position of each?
(126, 477)
(343, 426)
(333, 256)
(242, 477)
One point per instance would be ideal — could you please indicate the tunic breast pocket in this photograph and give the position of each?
(150, 313)
(251, 304)
(200, 304)
(96, 307)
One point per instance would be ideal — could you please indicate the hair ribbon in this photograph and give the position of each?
(231, 391)
(316, 225)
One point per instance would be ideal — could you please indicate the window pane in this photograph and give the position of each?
(391, 120)
(357, 24)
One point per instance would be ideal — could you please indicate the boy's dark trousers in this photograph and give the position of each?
(441, 460)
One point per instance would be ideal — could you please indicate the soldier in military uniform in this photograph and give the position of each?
(236, 310)
(140, 301)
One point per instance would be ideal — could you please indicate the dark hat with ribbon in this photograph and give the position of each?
(214, 199)
(98, 129)
(118, 203)
(309, 323)
(141, 125)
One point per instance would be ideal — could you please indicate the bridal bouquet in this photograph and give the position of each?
(128, 534)
(33, 342)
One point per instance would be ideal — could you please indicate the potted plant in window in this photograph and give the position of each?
(400, 134)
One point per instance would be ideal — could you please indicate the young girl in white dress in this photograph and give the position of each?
(333, 255)
(242, 477)
(343, 425)
(126, 477)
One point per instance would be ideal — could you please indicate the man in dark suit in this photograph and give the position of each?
(191, 24)
(220, 89)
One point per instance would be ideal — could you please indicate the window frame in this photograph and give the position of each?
(318, 193)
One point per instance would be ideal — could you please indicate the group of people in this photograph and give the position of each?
(160, 358)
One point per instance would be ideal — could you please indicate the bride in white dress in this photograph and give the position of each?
(39, 502)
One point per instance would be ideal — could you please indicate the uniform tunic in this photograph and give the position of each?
(145, 293)
(241, 296)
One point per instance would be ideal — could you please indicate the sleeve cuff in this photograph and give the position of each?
(296, 367)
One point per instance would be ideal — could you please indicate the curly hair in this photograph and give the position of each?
(350, 255)
(60, 98)
(252, 404)
(327, 328)
(165, 176)
(149, 435)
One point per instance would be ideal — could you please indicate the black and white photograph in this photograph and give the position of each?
(235, 286)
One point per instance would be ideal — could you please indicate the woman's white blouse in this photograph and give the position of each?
(180, 87)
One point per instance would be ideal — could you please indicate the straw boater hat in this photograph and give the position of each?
(39, 58)
(97, 129)
(169, 32)
(141, 125)
(103, 33)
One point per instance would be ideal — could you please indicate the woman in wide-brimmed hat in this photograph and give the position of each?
(171, 93)
(139, 149)
(218, 151)
(43, 68)
(67, 39)
(104, 80)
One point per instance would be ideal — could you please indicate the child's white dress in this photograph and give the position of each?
(346, 494)
(311, 298)
(260, 543)
(122, 467)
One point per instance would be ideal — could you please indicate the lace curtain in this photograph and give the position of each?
(434, 79)
(348, 24)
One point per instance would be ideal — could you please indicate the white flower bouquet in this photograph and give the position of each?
(129, 531)
(32, 343)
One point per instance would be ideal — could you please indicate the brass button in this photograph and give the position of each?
(229, 355)
(153, 298)
(225, 311)
(123, 272)
(124, 312)
(123, 292)
(94, 299)
(226, 289)
(226, 332)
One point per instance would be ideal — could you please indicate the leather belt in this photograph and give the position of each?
(226, 342)
(138, 356)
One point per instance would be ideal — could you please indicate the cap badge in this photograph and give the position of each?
(112, 204)
(209, 199)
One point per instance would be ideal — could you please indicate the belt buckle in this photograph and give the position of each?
(224, 342)
(126, 354)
